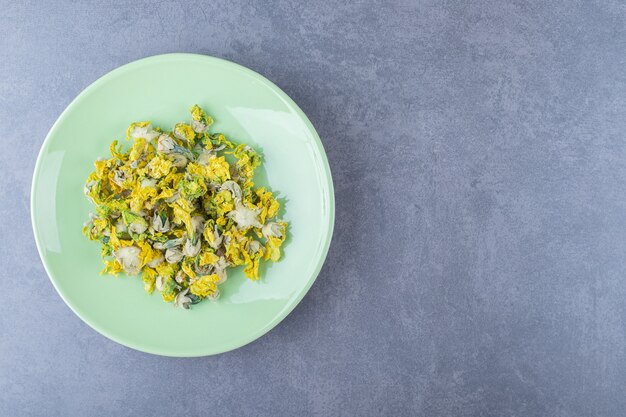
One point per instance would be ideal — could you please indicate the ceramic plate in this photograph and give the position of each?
(247, 108)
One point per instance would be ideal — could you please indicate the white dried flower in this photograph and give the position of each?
(190, 248)
(128, 257)
(160, 225)
(120, 226)
(254, 247)
(173, 198)
(217, 239)
(222, 274)
(119, 177)
(220, 269)
(165, 144)
(160, 282)
(198, 127)
(145, 132)
(203, 158)
(234, 189)
(89, 186)
(148, 182)
(156, 262)
(180, 277)
(178, 160)
(273, 229)
(245, 217)
(181, 299)
(173, 255)
(204, 269)
(138, 226)
(172, 243)
(198, 224)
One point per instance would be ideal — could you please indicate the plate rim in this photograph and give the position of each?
(327, 233)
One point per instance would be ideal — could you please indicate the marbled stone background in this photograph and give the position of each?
(478, 264)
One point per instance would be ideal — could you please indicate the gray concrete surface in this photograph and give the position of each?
(478, 265)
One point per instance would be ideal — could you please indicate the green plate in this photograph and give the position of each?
(246, 107)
